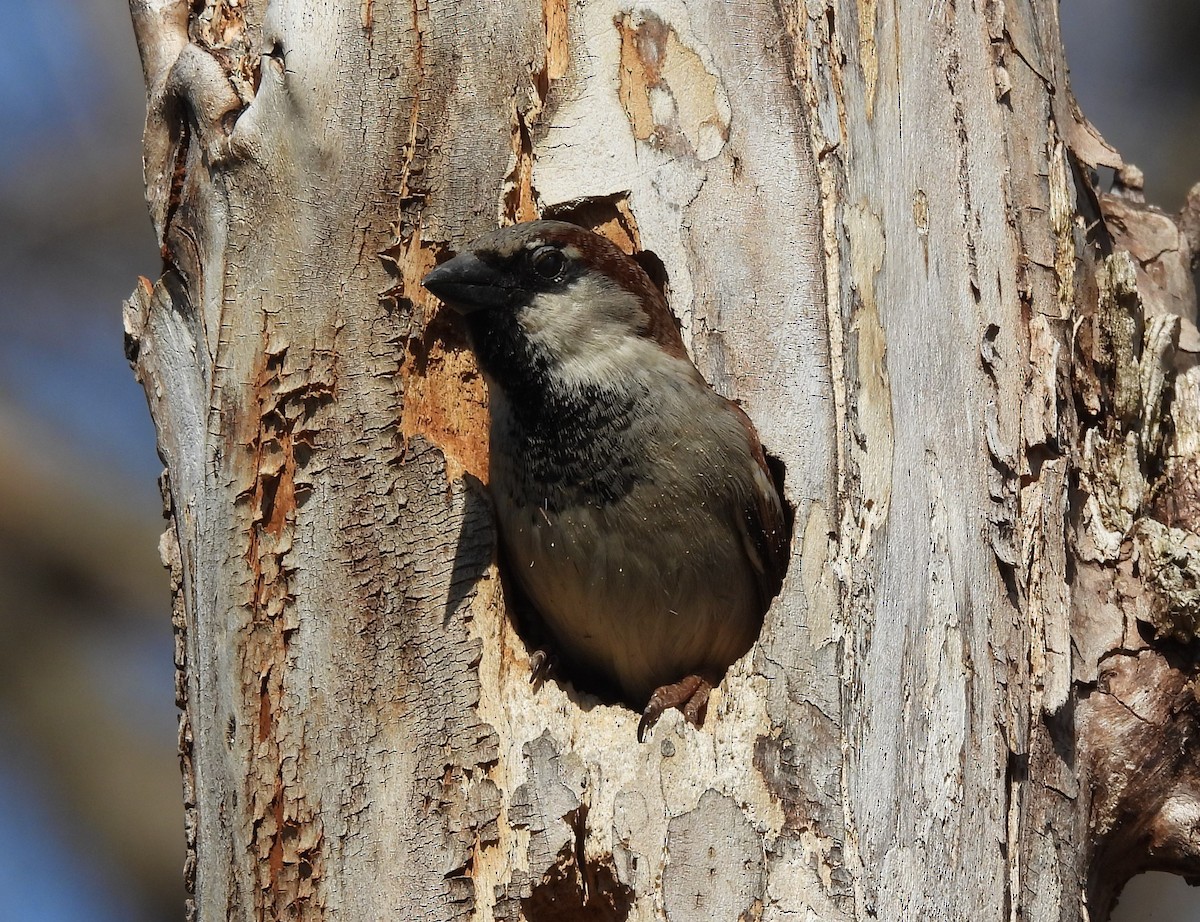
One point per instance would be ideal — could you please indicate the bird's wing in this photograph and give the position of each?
(763, 525)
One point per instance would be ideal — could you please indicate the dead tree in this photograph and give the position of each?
(882, 231)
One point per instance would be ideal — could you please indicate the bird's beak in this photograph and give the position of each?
(468, 284)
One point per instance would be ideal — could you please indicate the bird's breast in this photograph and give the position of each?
(560, 447)
(643, 586)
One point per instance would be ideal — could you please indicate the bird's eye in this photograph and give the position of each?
(548, 262)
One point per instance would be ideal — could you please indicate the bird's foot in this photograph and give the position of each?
(541, 664)
(689, 694)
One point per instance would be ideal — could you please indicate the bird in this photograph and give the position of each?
(635, 507)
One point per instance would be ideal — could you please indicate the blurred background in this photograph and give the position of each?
(91, 826)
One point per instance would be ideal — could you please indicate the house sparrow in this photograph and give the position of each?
(635, 507)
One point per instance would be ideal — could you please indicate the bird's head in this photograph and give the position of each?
(562, 289)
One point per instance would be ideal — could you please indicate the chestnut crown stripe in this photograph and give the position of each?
(606, 256)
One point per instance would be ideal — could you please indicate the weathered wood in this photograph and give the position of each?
(878, 227)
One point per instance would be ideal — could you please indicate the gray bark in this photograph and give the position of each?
(881, 233)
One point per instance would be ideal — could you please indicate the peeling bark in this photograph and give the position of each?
(882, 233)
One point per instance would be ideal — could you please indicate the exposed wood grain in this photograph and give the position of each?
(877, 227)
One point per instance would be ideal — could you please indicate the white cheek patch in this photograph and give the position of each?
(592, 318)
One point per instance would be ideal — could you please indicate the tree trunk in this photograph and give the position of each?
(880, 228)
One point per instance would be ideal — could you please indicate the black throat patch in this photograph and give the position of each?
(571, 444)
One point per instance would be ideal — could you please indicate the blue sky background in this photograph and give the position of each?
(90, 821)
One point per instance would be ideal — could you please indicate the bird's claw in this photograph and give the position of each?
(541, 664)
(689, 694)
